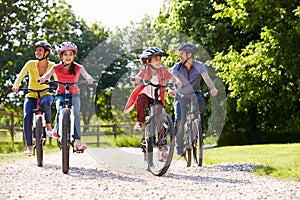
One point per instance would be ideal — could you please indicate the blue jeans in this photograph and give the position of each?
(29, 105)
(181, 108)
(76, 103)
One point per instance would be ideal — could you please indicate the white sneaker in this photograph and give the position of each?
(28, 152)
(138, 126)
(49, 133)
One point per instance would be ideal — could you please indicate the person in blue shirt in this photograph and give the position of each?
(189, 71)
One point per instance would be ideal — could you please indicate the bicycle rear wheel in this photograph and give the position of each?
(198, 142)
(161, 143)
(38, 132)
(65, 141)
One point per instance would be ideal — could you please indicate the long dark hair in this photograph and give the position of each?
(72, 69)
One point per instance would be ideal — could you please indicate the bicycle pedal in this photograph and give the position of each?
(78, 151)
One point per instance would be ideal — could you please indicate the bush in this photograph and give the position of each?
(246, 138)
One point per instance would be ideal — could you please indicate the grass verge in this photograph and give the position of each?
(274, 160)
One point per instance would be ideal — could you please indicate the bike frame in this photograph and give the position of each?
(164, 133)
(66, 124)
(68, 106)
(38, 114)
(190, 137)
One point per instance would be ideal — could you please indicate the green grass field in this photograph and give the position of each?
(274, 160)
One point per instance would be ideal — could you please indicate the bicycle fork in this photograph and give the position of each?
(43, 136)
(72, 123)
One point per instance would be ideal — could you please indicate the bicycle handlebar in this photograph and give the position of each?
(49, 82)
(203, 94)
(148, 82)
(27, 90)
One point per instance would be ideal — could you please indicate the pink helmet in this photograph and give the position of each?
(66, 46)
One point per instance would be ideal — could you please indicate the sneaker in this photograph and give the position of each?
(138, 126)
(180, 153)
(28, 152)
(163, 153)
(54, 134)
(49, 133)
(80, 147)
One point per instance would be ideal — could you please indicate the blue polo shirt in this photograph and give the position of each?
(190, 79)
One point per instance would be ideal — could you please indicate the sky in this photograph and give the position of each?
(115, 13)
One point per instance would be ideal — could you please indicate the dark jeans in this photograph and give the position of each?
(29, 105)
(181, 107)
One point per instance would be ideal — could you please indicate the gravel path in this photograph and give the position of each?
(120, 174)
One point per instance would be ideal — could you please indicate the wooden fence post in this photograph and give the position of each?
(115, 130)
(98, 135)
(12, 130)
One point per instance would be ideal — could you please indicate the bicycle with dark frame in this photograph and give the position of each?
(38, 124)
(193, 133)
(158, 135)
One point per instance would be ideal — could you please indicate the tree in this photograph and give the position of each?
(254, 45)
(262, 77)
(25, 22)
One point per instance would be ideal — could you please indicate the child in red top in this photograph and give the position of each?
(142, 96)
(69, 71)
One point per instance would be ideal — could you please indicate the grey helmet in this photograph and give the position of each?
(150, 52)
(46, 46)
(187, 47)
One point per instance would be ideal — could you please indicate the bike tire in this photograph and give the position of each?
(187, 148)
(163, 139)
(198, 147)
(65, 141)
(38, 133)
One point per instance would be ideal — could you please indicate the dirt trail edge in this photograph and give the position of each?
(120, 174)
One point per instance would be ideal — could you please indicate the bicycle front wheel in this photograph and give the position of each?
(161, 143)
(198, 142)
(187, 144)
(65, 141)
(38, 132)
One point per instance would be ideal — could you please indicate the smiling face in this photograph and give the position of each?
(183, 56)
(155, 61)
(40, 52)
(68, 56)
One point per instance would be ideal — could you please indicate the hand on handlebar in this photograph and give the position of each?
(172, 94)
(42, 80)
(213, 92)
(15, 89)
(90, 80)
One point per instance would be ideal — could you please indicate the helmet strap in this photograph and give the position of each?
(152, 67)
(66, 65)
(45, 57)
(42, 58)
(187, 58)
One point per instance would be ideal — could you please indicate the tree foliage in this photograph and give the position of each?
(25, 22)
(255, 47)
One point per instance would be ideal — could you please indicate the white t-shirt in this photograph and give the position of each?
(149, 90)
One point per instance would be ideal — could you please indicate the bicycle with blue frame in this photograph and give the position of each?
(38, 124)
(66, 123)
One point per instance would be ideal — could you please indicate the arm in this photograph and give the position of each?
(210, 84)
(20, 77)
(47, 75)
(87, 77)
(139, 77)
